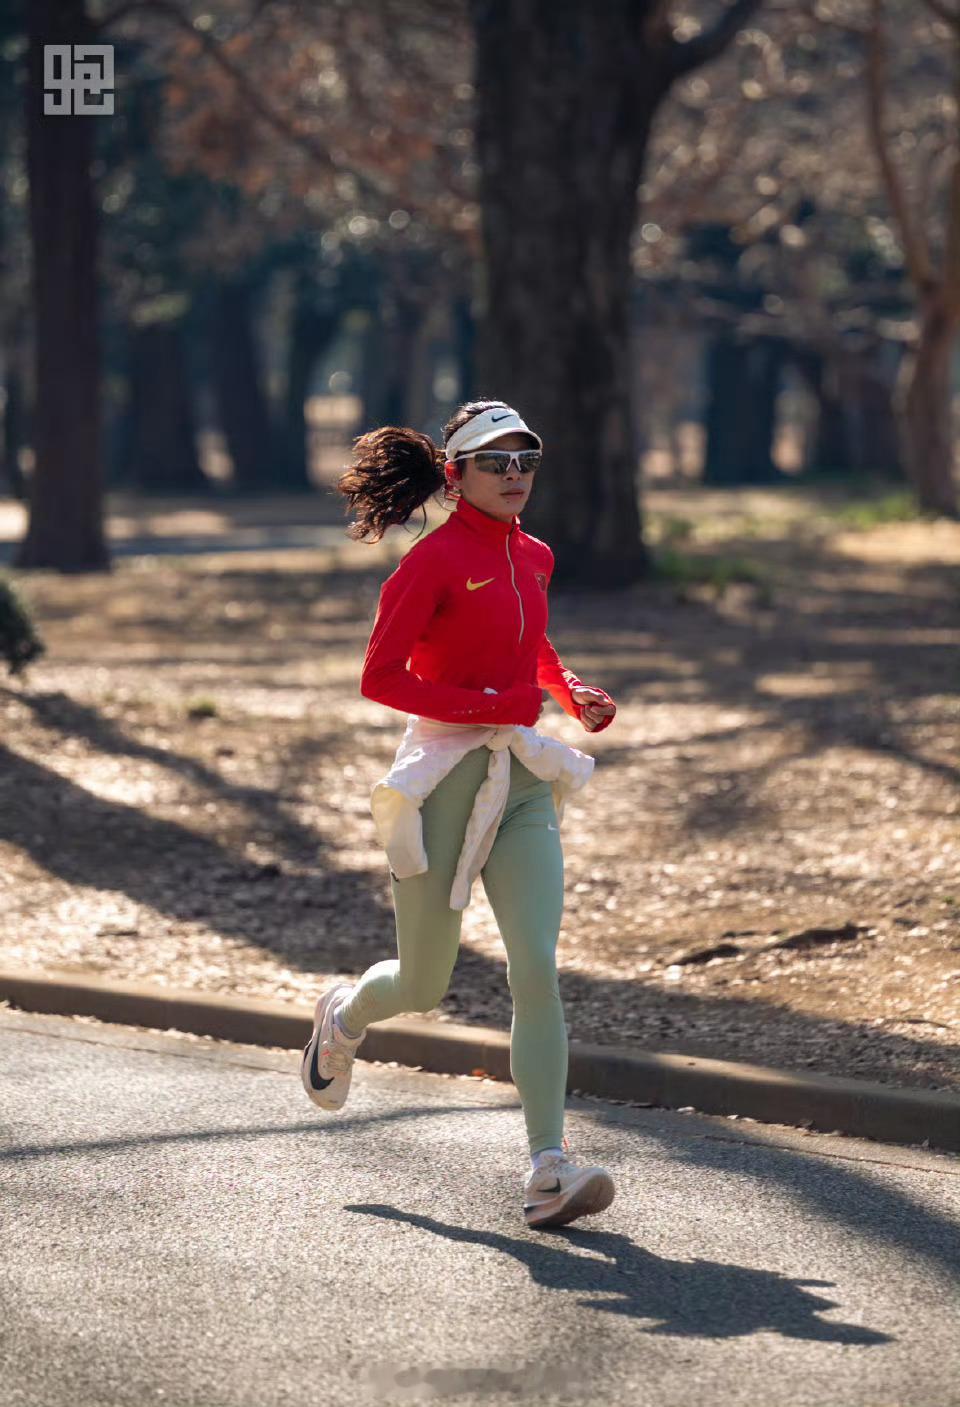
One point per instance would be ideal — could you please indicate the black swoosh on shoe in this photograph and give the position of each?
(315, 1079)
(558, 1188)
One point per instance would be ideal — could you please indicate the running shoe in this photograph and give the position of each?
(326, 1066)
(560, 1190)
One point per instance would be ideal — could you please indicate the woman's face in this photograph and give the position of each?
(499, 495)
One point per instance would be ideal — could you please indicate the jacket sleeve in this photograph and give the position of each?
(556, 679)
(408, 600)
(553, 676)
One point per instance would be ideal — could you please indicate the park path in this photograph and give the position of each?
(182, 1226)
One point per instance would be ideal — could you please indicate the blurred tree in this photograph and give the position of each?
(780, 152)
(66, 486)
(365, 182)
(744, 362)
(566, 98)
(14, 259)
(758, 225)
(935, 274)
(160, 448)
(318, 309)
(243, 410)
(148, 295)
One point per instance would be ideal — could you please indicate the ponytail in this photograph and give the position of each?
(395, 471)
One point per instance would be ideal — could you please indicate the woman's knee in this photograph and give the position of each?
(422, 992)
(531, 983)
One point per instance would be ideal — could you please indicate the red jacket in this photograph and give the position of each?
(465, 610)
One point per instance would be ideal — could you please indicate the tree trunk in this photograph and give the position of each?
(13, 426)
(829, 447)
(856, 427)
(238, 388)
(372, 373)
(927, 432)
(566, 95)
(830, 442)
(66, 488)
(162, 445)
(464, 327)
(389, 350)
(743, 379)
(877, 443)
(311, 333)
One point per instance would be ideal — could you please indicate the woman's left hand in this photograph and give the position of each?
(598, 706)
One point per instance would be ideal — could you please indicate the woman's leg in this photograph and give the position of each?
(428, 930)
(523, 878)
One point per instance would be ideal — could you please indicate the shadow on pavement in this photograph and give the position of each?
(697, 1297)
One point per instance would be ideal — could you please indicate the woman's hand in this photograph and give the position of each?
(597, 707)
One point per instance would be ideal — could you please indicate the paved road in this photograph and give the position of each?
(181, 1226)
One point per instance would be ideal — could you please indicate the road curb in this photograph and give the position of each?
(857, 1107)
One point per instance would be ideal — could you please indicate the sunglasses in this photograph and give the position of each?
(498, 461)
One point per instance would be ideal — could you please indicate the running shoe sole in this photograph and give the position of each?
(593, 1192)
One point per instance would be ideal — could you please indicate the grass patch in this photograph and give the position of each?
(717, 573)
(899, 507)
(202, 708)
(668, 529)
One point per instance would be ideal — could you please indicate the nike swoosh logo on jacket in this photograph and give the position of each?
(436, 645)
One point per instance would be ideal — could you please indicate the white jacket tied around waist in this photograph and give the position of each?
(427, 752)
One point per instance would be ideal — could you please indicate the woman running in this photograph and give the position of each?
(459, 644)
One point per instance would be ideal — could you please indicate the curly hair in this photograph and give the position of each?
(395, 470)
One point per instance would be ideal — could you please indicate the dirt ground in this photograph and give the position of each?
(765, 866)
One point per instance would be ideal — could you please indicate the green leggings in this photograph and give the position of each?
(523, 879)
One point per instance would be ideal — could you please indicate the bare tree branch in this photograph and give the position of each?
(267, 113)
(811, 9)
(943, 11)
(683, 56)
(915, 248)
(951, 258)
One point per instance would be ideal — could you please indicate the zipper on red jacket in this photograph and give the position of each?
(514, 580)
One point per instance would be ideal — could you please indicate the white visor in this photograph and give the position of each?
(489, 425)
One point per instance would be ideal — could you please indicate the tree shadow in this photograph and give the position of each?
(876, 1212)
(88, 841)
(794, 635)
(330, 917)
(702, 1296)
(696, 1298)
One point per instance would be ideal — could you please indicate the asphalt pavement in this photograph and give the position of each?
(180, 1225)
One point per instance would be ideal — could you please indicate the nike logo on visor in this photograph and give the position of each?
(495, 419)
(475, 585)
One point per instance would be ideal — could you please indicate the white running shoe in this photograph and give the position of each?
(326, 1066)
(559, 1191)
